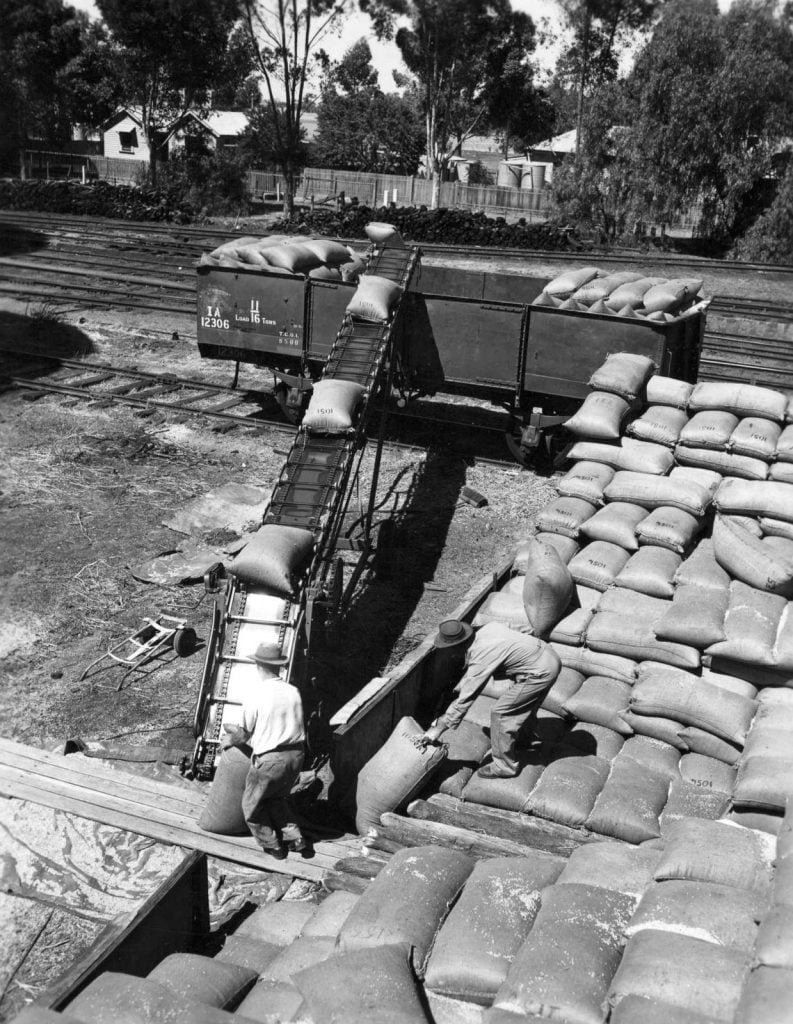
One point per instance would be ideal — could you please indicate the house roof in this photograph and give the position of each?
(133, 112)
(564, 143)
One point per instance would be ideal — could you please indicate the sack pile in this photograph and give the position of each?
(693, 929)
(283, 254)
(592, 290)
(676, 624)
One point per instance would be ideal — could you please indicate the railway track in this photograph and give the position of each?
(79, 246)
(223, 406)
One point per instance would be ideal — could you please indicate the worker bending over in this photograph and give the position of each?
(272, 724)
(531, 665)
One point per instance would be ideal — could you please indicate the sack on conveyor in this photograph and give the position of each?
(563, 286)
(685, 698)
(740, 399)
(726, 463)
(750, 560)
(586, 480)
(548, 589)
(391, 778)
(624, 374)
(755, 437)
(668, 391)
(375, 299)
(671, 296)
(332, 405)
(346, 987)
(577, 925)
(683, 972)
(600, 417)
(407, 902)
(488, 924)
(274, 557)
(668, 528)
(750, 498)
(385, 234)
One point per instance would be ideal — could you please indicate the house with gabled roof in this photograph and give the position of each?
(123, 136)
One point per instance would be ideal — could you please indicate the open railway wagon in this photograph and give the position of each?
(289, 581)
(491, 336)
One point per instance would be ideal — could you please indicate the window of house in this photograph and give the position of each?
(128, 141)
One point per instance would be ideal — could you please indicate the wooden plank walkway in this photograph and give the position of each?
(166, 813)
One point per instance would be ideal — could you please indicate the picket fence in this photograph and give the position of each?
(117, 170)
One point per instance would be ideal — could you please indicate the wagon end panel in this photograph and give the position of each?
(251, 317)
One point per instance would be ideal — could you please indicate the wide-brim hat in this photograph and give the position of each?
(452, 632)
(269, 653)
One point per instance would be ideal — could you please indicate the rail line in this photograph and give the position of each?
(103, 385)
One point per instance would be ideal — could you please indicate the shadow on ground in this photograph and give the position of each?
(41, 334)
(15, 241)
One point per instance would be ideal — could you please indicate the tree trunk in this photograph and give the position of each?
(435, 201)
(290, 187)
(579, 120)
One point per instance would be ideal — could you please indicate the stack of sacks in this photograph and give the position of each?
(692, 937)
(768, 991)
(279, 254)
(734, 429)
(591, 290)
(764, 786)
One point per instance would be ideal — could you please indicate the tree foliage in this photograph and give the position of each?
(283, 38)
(770, 238)
(360, 128)
(173, 52)
(38, 40)
(446, 45)
(695, 123)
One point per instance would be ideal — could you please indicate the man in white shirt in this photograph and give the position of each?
(272, 724)
(531, 665)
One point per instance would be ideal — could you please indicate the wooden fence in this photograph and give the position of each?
(320, 184)
(84, 167)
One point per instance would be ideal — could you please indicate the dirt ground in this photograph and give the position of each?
(85, 493)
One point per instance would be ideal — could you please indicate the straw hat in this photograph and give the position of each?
(452, 632)
(269, 653)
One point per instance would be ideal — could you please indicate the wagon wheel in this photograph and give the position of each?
(524, 454)
(184, 641)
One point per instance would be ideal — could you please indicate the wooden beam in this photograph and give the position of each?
(415, 832)
(519, 828)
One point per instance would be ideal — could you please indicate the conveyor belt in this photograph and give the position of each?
(312, 493)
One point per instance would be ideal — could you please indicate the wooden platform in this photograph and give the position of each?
(166, 813)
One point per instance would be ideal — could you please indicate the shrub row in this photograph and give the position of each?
(99, 199)
(418, 224)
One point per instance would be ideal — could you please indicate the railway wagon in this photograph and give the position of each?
(464, 332)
